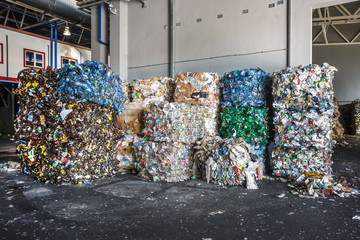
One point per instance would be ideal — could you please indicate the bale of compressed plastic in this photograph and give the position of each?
(245, 88)
(303, 100)
(179, 122)
(126, 153)
(36, 94)
(197, 88)
(226, 162)
(304, 87)
(337, 128)
(93, 82)
(131, 120)
(163, 161)
(151, 89)
(356, 116)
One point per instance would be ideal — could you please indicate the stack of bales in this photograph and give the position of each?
(356, 116)
(172, 127)
(303, 126)
(68, 133)
(244, 109)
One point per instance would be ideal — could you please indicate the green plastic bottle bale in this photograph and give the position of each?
(249, 123)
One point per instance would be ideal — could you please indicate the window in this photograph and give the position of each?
(34, 59)
(1, 54)
(66, 60)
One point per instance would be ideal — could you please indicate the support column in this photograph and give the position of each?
(99, 51)
(119, 39)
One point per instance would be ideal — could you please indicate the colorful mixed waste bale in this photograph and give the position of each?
(245, 88)
(244, 109)
(303, 120)
(62, 140)
(356, 116)
(226, 162)
(179, 122)
(163, 161)
(94, 82)
(197, 88)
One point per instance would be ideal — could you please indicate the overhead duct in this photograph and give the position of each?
(62, 9)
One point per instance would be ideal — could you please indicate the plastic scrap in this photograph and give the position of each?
(151, 89)
(131, 120)
(245, 88)
(226, 162)
(125, 152)
(197, 88)
(337, 128)
(93, 82)
(312, 185)
(303, 98)
(179, 122)
(304, 87)
(68, 141)
(356, 116)
(163, 161)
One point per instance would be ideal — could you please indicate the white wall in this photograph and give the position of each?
(346, 60)
(18, 41)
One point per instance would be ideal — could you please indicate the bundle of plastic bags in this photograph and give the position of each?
(226, 162)
(179, 122)
(163, 161)
(197, 88)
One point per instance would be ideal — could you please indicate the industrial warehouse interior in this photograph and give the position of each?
(179, 119)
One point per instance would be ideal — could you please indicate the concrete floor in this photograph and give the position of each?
(126, 207)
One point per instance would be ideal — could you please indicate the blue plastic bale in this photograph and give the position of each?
(245, 88)
(92, 82)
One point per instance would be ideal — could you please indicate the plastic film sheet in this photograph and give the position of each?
(245, 88)
(304, 86)
(249, 123)
(197, 88)
(179, 122)
(131, 120)
(163, 161)
(356, 115)
(303, 129)
(93, 82)
(150, 90)
(226, 162)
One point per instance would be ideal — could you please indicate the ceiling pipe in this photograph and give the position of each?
(62, 9)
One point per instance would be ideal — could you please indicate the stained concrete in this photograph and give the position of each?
(127, 207)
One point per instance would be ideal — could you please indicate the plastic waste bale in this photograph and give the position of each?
(94, 82)
(226, 162)
(131, 120)
(82, 144)
(303, 98)
(337, 128)
(197, 88)
(304, 87)
(356, 116)
(163, 161)
(179, 122)
(125, 152)
(245, 88)
(36, 94)
(151, 89)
